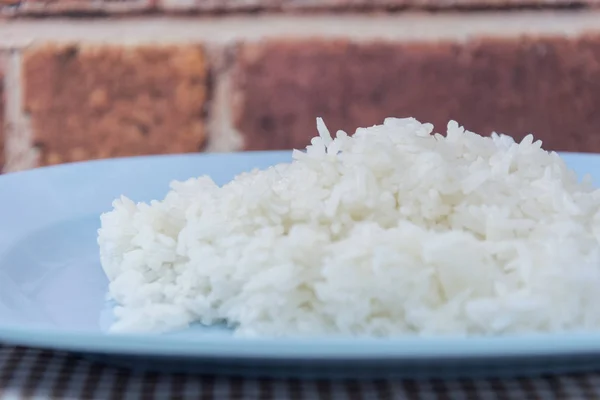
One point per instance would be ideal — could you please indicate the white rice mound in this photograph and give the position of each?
(391, 231)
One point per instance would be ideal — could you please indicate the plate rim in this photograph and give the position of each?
(309, 348)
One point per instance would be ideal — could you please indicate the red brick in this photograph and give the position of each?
(75, 7)
(108, 101)
(218, 5)
(352, 5)
(107, 7)
(434, 4)
(548, 86)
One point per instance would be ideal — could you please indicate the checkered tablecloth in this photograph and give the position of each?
(37, 374)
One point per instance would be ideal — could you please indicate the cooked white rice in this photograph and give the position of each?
(393, 230)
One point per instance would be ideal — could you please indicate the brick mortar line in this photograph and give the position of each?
(231, 29)
(222, 134)
(19, 151)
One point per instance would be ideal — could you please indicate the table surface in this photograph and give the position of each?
(40, 374)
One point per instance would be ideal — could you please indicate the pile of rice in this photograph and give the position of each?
(393, 230)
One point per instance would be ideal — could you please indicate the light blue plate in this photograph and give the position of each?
(52, 289)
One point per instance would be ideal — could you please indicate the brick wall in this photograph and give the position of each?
(99, 79)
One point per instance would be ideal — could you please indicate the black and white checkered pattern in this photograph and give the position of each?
(37, 374)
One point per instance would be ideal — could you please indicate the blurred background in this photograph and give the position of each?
(90, 79)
